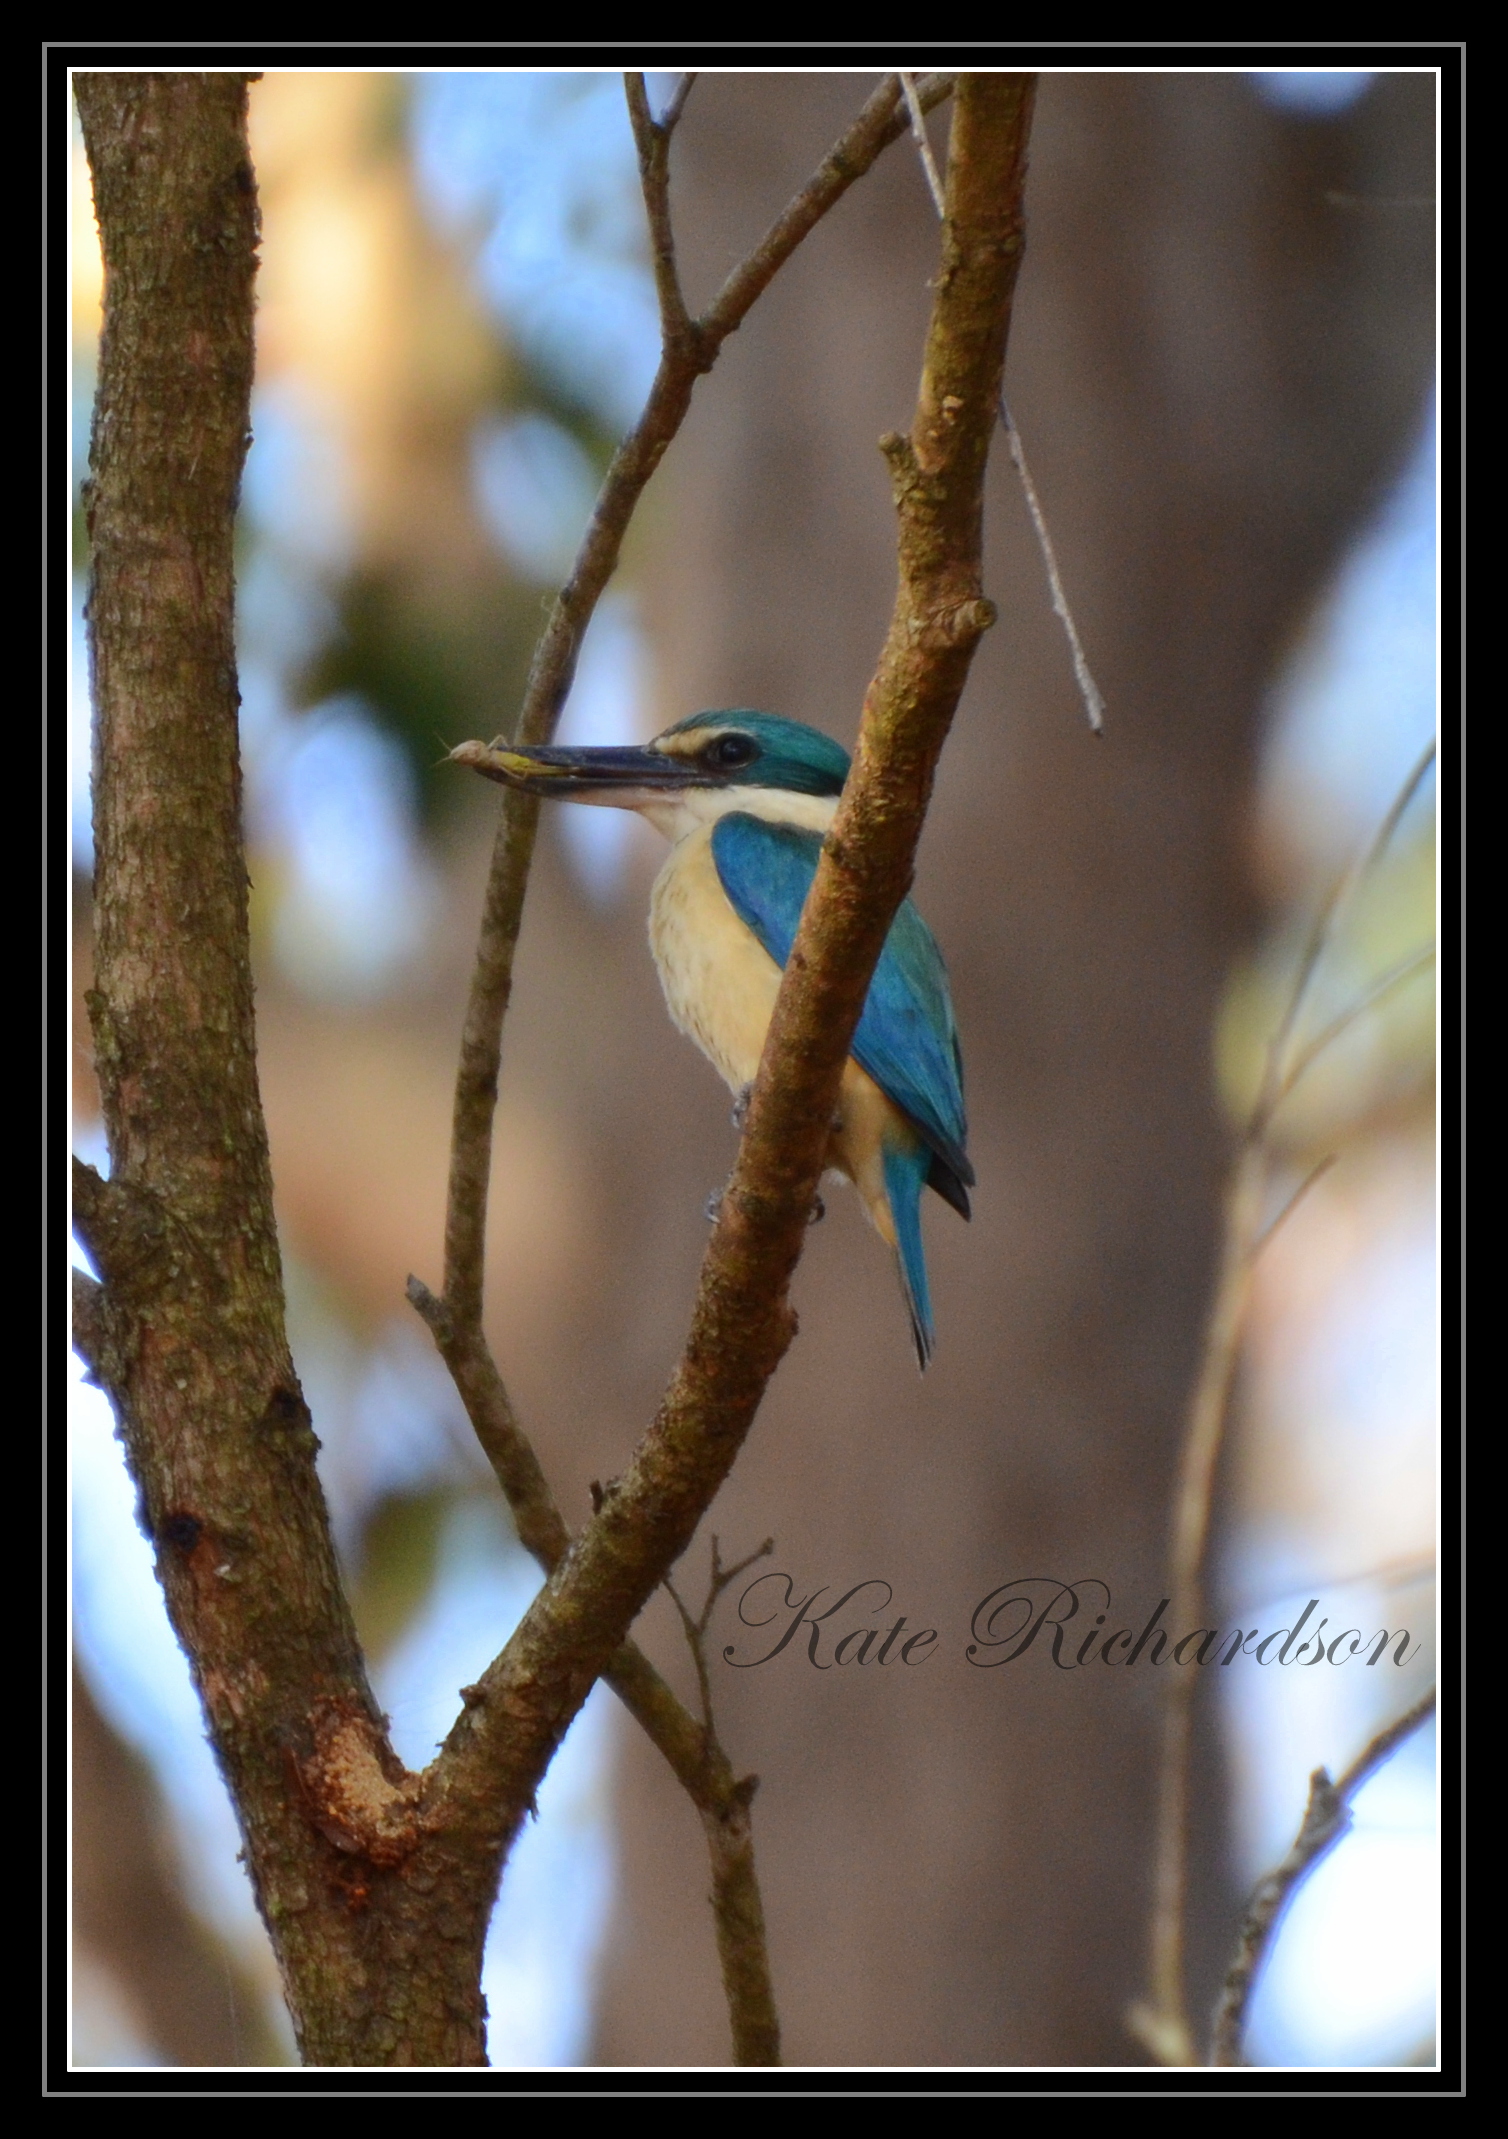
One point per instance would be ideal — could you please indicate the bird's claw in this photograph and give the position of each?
(712, 1206)
(741, 1107)
(817, 1212)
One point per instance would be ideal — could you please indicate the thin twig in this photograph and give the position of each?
(652, 140)
(919, 135)
(1161, 2021)
(1327, 1817)
(741, 1944)
(1329, 1034)
(694, 1632)
(1089, 690)
(1315, 1174)
(1383, 837)
(696, 1629)
(672, 112)
(880, 122)
(1323, 928)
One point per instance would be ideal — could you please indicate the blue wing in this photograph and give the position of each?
(906, 1039)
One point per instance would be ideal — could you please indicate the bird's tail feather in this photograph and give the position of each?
(906, 1168)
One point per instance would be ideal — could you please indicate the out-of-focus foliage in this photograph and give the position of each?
(1351, 717)
(1337, 1457)
(377, 367)
(1381, 1063)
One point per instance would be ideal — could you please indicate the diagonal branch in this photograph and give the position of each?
(1310, 1053)
(742, 1321)
(1089, 690)
(672, 112)
(1312, 1179)
(695, 1757)
(1276, 1083)
(918, 117)
(652, 140)
(1161, 2022)
(881, 121)
(1327, 1817)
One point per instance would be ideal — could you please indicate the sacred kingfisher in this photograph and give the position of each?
(744, 799)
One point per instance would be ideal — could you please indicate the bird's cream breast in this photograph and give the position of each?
(720, 982)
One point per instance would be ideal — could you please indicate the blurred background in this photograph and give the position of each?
(1222, 364)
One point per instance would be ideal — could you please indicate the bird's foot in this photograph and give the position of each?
(741, 1107)
(817, 1212)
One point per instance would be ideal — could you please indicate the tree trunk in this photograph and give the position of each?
(380, 1948)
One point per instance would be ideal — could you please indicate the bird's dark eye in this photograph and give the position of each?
(731, 750)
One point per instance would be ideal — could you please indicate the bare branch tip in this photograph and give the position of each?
(672, 112)
(919, 133)
(636, 94)
(423, 1301)
(1316, 1173)
(1326, 1819)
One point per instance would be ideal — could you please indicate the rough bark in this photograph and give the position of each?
(188, 1335)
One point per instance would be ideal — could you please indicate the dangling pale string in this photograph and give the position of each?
(1089, 690)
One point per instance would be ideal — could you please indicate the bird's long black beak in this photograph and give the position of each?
(577, 775)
